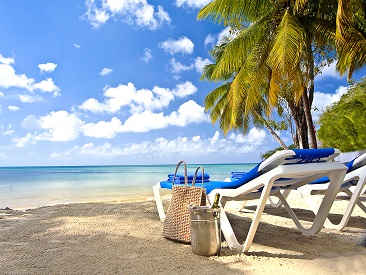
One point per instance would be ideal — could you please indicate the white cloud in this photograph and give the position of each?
(199, 63)
(192, 3)
(95, 16)
(161, 148)
(177, 67)
(210, 40)
(329, 71)
(322, 100)
(147, 55)
(215, 39)
(162, 16)
(6, 60)
(183, 45)
(62, 126)
(144, 122)
(58, 126)
(31, 123)
(254, 137)
(134, 12)
(22, 142)
(224, 33)
(48, 86)
(103, 129)
(137, 100)
(189, 112)
(25, 98)
(13, 108)
(105, 150)
(48, 67)
(77, 45)
(8, 78)
(215, 138)
(146, 17)
(9, 131)
(184, 89)
(105, 71)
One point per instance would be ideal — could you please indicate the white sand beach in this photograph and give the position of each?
(125, 238)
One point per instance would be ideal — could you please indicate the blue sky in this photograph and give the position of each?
(117, 82)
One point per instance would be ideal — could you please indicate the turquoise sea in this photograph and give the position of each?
(30, 187)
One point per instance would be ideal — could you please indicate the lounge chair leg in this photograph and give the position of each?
(225, 225)
(279, 203)
(228, 232)
(321, 213)
(257, 217)
(354, 199)
(355, 193)
(159, 203)
(242, 206)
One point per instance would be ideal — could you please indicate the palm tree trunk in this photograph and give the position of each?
(269, 128)
(273, 133)
(309, 121)
(308, 98)
(297, 111)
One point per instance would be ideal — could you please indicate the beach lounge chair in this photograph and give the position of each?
(287, 169)
(354, 184)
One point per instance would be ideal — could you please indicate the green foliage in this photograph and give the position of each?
(270, 59)
(343, 125)
(269, 153)
(351, 35)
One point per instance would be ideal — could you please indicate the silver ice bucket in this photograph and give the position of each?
(205, 230)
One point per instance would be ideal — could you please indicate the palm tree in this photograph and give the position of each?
(273, 57)
(228, 106)
(351, 35)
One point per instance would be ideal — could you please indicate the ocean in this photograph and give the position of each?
(30, 187)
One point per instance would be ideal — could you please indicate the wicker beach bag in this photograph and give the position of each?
(177, 222)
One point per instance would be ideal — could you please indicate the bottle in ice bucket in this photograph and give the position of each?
(215, 203)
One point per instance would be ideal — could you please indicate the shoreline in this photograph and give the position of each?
(28, 206)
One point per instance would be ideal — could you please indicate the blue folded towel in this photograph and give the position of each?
(190, 176)
(179, 178)
(178, 181)
(237, 175)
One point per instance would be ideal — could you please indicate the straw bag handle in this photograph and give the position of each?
(185, 172)
(195, 175)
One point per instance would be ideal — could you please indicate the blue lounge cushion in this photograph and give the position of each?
(301, 156)
(211, 185)
(311, 155)
(350, 165)
(326, 179)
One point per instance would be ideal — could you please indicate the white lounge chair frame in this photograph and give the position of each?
(359, 175)
(306, 173)
(300, 174)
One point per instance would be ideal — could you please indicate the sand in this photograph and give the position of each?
(125, 238)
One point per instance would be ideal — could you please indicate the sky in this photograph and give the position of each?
(115, 82)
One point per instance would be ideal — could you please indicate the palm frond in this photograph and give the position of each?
(287, 49)
(233, 11)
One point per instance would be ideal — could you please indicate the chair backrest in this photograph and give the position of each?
(357, 163)
(298, 156)
(288, 157)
